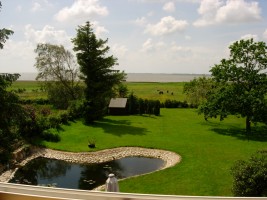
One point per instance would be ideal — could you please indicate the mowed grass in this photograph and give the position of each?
(208, 148)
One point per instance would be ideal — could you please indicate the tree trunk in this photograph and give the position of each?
(248, 125)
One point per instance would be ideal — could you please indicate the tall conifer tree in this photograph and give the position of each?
(97, 71)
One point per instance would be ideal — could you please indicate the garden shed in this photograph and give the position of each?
(117, 106)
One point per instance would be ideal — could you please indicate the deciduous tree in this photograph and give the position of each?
(97, 71)
(4, 34)
(58, 68)
(241, 84)
(11, 115)
(10, 110)
(197, 89)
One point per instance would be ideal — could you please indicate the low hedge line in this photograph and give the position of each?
(40, 101)
(177, 104)
(38, 121)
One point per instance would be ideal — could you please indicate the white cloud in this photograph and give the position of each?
(162, 1)
(167, 25)
(81, 9)
(98, 30)
(19, 8)
(181, 51)
(47, 35)
(36, 7)
(230, 11)
(249, 36)
(150, 46)
(119, 50)
(40, 5)
(17, 57)
(265, 34)
(141, 21)
(147, 45)
(187, 37)
(21, 53)
(169, 7)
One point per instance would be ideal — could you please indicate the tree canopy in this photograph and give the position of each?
(97, 71)
(240, 84)
(58, 69)
(4, 34)
(197, 89)
(11, 115)
(10, 110)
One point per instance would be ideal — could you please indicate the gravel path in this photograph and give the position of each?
(170, 158)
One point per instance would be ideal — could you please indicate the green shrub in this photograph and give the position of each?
(250, 177)
(64, 117)
(76, 110)
(50, 137)
(54, 121)
(176, 104)
(39, 101)
(132, 104)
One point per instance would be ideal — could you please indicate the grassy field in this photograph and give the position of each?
(172, 91)
(208, 148)
(32, 89)
(141, 90)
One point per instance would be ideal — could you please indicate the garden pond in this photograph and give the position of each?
(63, 174)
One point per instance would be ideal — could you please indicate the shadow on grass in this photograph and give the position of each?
(149, 116)
(119, 127)
(256, 134)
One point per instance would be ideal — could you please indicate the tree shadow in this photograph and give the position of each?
(258, 133)
(149, 116)
(119, 127)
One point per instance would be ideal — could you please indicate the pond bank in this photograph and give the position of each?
(170, 158)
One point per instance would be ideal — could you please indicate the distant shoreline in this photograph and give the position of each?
(138, 77)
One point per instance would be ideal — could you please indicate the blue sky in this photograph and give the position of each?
(147, 36)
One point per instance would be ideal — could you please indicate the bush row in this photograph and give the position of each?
(143, 106)
(177, 104)
(39, 101)
(37, 122)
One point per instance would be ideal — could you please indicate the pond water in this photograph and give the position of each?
(58, 173)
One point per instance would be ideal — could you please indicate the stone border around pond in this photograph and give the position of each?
(169, 157)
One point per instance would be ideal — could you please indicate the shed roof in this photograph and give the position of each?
(117, 103)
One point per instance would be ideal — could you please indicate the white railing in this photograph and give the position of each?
(10, 191)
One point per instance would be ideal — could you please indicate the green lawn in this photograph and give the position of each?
(208, 149)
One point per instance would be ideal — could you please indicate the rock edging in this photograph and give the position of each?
(169, 157)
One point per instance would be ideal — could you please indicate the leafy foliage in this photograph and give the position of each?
(250, 177)
(241, 84)
(143, 106)
(10, 110)
(122, 90)
(197, 90)
(97, 72)
(59, 96)
(4, 34)
(11, 115)
(57, 67)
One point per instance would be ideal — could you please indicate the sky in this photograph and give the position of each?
(147, 36)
